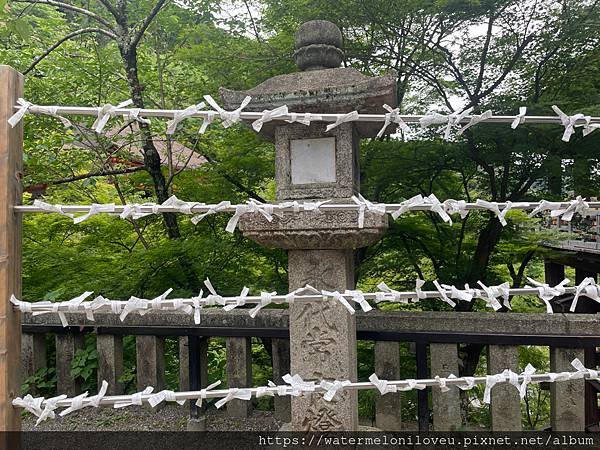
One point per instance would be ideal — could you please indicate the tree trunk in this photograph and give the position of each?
(153, 164)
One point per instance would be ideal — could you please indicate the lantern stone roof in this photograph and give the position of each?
(321, 85)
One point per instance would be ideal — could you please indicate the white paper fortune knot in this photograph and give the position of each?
(382, 386)
(493, 207)
(266, 298)
(106, 112)
(298, 385)
(547, 293)
(303, 118)
(475, 119)
(268, 116)
(349, 117)
(136, 399)
(340, 298)
(569, 122)
(164, 396)
(25, 107)
(228, 118)
(393, 116)
(587, 287)
(183, 114)
(51, 208)
(204, 391)
(332, 387)
(519, 118)
(364, 204)
(95, 208)
(450, 120)
(235, 393)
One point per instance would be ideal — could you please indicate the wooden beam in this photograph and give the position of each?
(11, 173)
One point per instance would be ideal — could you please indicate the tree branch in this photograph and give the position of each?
(61, 41)
(66, 6)
(111, 9)
(147, 21)
(97, 174)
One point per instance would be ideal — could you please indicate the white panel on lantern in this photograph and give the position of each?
(313, 160)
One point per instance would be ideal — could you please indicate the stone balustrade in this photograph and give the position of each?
(436, 334)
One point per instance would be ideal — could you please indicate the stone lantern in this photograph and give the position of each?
(312, 164)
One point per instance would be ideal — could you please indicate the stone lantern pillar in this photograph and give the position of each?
(312, 164)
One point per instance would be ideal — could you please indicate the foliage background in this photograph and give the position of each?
(449, 54)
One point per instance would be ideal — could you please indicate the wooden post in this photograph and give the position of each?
(11, 173)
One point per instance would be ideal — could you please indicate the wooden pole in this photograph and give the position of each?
(11, 173)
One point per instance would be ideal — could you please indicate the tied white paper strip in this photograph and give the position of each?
(493, 207)
(183, 114)
(492, 293)
(136, 399)
(547, 293)
(268, 116)
(589, 127)
(467, 384)
(51, 208)
(105, 113)
(382, 386)
(359, 297)
(214, 209)
(582, 371)
(93, 401)
(134, 116)
(459, 207)
(332, 388)
(296, 386)
(393, 116)
(520, 118)
(443, 294)
(569, 122)
(304, 118)
(475, 119)
(95, 208)
(204, 391)
(587, 287)
(235, 393)
(340, 298)
(252, 206)
(25, 107)
(526, 374)
(228, 118)
(418, 200)
(164, 396)
(450, 120)
(364, 204)
(349, 117)
(239, 301)
(579, 206)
